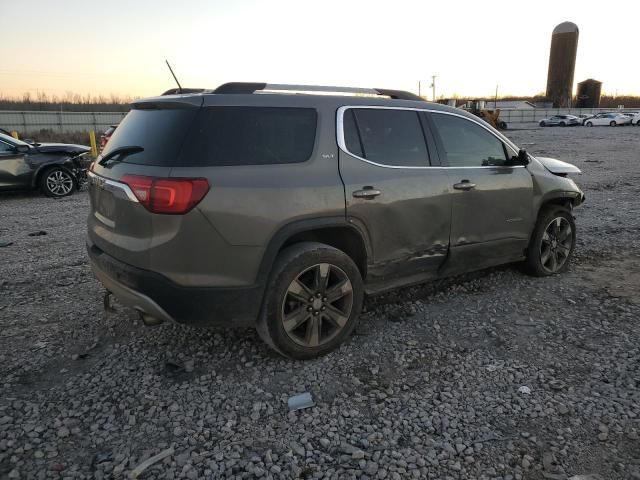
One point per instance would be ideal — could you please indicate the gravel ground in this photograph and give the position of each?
(490, 375)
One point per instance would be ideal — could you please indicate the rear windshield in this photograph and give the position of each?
(160, 132)
(250, 136)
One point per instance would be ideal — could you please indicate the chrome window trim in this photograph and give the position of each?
(342, 145)
(112, 185)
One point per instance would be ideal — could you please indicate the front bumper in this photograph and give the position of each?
(154, 294)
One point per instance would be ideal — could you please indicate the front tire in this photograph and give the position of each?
(57, 182)
(612, 123)
(552, 243)
(589, 124)
(562, 124)
(543, 124)
(313, 301)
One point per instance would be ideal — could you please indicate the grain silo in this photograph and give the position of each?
(588, 95)
(562, 63)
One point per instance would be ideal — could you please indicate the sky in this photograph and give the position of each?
(119, 46)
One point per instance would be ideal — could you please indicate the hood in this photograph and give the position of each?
(557, 166)
(62, 148)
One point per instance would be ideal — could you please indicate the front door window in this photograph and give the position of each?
(467, 144)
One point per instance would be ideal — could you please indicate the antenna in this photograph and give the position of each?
(174, 76)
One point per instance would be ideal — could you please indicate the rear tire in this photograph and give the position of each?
(562, 124)
(552, 242)
(57, 182)
(313, 301)
(612, 123)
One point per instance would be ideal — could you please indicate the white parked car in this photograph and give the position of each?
(634, 116)
(611, 119)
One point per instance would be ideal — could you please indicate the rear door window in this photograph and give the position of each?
(160, 132)
(226, 136)
(386, 136)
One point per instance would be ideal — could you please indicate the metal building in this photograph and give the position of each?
(562, 63)
(588, 95)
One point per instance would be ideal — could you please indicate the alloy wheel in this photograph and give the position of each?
(59, 183)
(556, 244)
(317, 305)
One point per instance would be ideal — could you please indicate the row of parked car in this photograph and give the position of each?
(611, 119)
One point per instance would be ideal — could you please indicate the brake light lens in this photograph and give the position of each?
(167, 195)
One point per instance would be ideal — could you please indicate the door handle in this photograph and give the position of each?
(464, 185)
(368, 193)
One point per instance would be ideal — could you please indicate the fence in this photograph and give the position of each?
(62, 122)
(537, 114)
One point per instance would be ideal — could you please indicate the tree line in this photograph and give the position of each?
(69, 102)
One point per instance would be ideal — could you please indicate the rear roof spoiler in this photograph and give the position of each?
(178, 91)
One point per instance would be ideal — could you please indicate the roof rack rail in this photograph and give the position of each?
(244, 88)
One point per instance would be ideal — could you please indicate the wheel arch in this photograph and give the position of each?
(563, 199)
(335, 232)
(62, 163)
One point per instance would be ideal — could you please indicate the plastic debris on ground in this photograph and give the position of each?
(301, 401)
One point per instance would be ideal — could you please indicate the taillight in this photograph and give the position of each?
(167, 195)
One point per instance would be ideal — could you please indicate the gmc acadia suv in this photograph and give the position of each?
(280, 208)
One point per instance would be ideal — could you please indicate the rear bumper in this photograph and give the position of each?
(156, 295)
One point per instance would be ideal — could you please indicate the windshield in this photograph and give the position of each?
(10, 139)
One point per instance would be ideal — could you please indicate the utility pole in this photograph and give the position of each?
(433, 86)
(495, 101)
(419, 89)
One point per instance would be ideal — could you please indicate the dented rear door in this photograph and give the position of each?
(394, 190)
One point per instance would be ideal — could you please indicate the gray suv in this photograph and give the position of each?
(275, 207)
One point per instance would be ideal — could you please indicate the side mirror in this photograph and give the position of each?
(523, 157)
(22, 148)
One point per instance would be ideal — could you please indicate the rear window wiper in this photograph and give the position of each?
(121, 152)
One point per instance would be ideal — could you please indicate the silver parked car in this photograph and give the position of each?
(253, 205)
(561, 121)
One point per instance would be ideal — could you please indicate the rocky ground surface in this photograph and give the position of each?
(494, 375)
